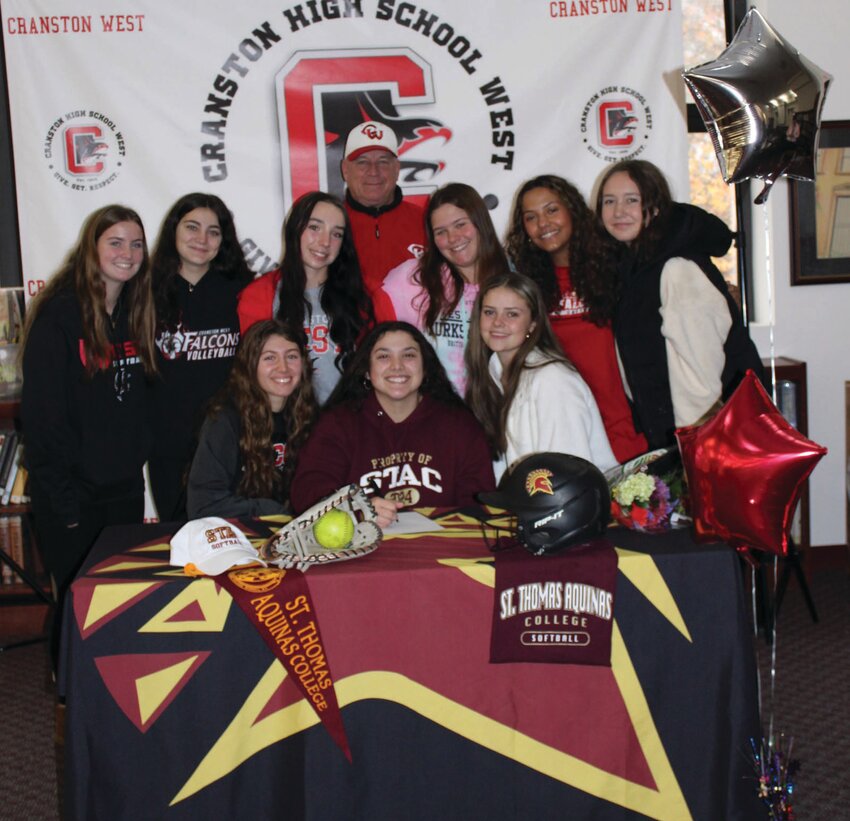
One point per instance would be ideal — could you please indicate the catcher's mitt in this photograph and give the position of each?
(295, 545)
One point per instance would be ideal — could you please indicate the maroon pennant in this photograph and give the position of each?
(278, 603)
(555, 608)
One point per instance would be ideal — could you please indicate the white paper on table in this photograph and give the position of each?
(409, 521)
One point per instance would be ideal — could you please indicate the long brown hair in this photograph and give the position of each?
(229, 262)
(490, 404)
(656, 203)
(259, 477)
(81, 274)
(491, 255)
(590, 274)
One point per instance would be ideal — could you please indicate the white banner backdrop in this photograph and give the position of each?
(252, 102)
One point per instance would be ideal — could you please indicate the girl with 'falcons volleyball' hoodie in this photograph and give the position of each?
(198, 271)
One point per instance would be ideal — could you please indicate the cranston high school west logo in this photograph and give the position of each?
(322, 95)
(616, 124)
(84, 150)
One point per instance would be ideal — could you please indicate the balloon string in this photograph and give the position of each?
(772, 349)
(754, 605)
(769, 289)
(773, 651)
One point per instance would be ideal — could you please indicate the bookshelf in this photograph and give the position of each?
(33, 588)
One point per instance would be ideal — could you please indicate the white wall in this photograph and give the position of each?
(811, 322)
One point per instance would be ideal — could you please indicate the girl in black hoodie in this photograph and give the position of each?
(88, 358)
(198, 270)
(679, 333)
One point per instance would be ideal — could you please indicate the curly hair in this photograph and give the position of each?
(656, 202)
(590, 271)
(491, 255)
(344, 298)
(229, 262)
(242, 391)
(489, 404)
(81, 273)
(354, 386)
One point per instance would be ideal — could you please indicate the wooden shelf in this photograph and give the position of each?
(10, 409)
(20, 593)
(14, 510)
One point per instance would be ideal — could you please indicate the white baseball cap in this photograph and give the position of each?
(213, 545)
(370, 136)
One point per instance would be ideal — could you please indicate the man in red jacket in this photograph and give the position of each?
(387, 230)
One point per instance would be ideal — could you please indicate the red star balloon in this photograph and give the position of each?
(746, 468)
(761, 102)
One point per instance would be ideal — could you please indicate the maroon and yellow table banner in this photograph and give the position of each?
(278, 603)
(555, 608)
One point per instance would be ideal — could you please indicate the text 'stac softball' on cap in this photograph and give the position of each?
(213, 545)
(370, 136)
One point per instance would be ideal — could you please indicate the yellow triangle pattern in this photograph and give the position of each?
(160, 547)
(641, 570)
(214, 602)
(277, 518)
(108, 597)
(245, 736)
(481, 570)
(154, 688)
(121, 567)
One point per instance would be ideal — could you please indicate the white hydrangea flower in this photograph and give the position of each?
(637, 488)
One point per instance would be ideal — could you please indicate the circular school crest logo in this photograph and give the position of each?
(257, 579)
(616, 124)
(84, 150)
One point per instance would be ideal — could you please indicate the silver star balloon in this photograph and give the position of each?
(761, 102)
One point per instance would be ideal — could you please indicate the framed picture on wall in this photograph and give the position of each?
(820, 212)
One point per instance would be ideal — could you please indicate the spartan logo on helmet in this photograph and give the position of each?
(539, 481)
(323, 95)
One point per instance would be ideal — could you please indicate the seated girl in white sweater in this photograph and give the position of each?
(523, 390)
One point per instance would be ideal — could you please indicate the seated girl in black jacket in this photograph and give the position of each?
(250, 440)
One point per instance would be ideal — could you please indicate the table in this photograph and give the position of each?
(177, 710)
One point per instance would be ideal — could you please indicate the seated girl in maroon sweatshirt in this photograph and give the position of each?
(395, 423)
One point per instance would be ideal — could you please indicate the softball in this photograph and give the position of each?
(334, 530)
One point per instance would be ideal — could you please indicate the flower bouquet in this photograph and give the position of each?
(647, 494)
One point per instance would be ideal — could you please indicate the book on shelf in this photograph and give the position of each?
(19, 494)
(9, 576)
(7, 457)
(16, 542)
(13, 474)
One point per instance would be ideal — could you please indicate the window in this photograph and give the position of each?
(704, 38)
